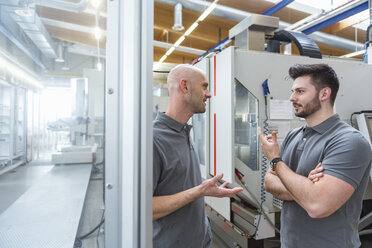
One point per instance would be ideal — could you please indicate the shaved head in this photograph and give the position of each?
(182, 72)
(188, 92)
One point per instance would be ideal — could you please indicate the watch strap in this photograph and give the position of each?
(274, 161)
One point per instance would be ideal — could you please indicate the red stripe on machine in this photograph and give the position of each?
(214, 160)
(214, 87)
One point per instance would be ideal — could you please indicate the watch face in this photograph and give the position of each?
(274, 161)
(272, 165)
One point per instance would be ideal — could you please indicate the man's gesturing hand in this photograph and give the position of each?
(269, 145)
(209, 188)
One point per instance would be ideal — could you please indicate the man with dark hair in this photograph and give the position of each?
(179, 218)
(322, 212)
(322, 76)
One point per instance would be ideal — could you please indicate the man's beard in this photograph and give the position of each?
(199, 108)
(309, 108)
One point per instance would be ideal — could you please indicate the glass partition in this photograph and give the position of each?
(246, 118)
(198, 123)
(20, 122)
(5, 123)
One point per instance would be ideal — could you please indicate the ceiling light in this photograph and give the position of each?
(23, 12)
(208, 11)
(193, 26)
(97, 33)
(60, 53)
(350, 55)
(99, 66)
(170, 51)
(179, 41)
(163, 58)
(95, 3)
(189, 30)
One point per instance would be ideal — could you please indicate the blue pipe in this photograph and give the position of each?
(21, 45)
(210, 49)
(277, 7)
(337, 18)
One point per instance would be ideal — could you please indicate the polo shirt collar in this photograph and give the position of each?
(325, 125)
(172, 123)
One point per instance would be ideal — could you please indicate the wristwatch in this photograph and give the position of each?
(274, 162)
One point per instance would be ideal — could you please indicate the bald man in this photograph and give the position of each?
(179, 218)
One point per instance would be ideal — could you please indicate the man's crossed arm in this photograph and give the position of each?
(319, 199)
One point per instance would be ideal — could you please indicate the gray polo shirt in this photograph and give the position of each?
(176, 168)
(345, 154)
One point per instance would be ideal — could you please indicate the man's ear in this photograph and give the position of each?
(184, 85)
(325, 94)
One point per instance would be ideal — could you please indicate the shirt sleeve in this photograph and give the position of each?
(347, 157)
(157, 167)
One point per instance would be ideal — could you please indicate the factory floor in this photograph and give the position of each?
(41, 190)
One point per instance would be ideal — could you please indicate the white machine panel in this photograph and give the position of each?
(221, 149)
(365, 126)
(221, 152)
(221, 205)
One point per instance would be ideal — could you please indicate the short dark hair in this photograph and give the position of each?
(322, 75)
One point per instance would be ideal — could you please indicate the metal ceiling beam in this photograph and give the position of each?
(70, 26)
(200, 5)
(277, 7)
(331, 40)
(179, 48)
(10, 2)
(22, 46)
(86, 50)
(34, 28)
(65, 5)
(352, 20)
(328, 20)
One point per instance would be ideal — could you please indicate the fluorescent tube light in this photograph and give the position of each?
(193, 26)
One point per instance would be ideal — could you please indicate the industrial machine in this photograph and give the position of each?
(86, 125)
(251, 89)
(364, 124)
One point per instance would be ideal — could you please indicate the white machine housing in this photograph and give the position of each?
(364, 121)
